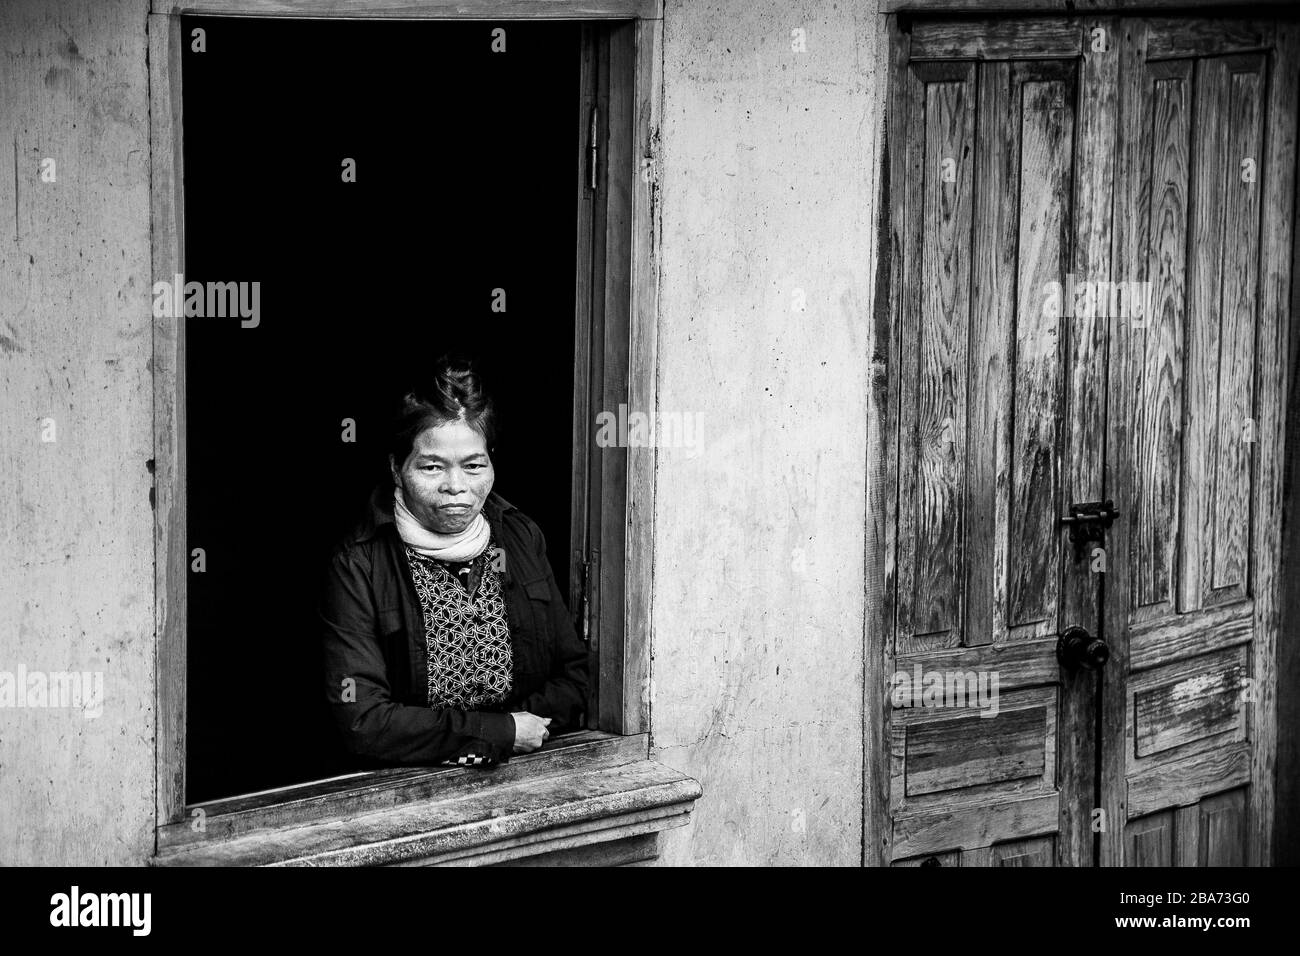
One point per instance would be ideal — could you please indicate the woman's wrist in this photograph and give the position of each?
(497, 729)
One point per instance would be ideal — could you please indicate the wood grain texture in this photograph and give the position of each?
(584, 321)
(1205, 280)
(1130, 215)
(944, 332)
(953, 754)
(995, 39)
(171, 552)
(1187, 836)
(1280, 660)
(944, 758)
(1230, 518)
(1087, 338)
(900, 571)
(978, 826)
(599, 500)
(1222, 830)
(1046, 159)
(407, 9)
(532, 815)
(882, 461)
(1157, 642)
(1038, 851)
(989, 389)
(977, 857)
(611, 463)
(952, 858)
(1211, 832)
(1206, 688)
(1276, 350)
(930, 609)
(1150, 840)
(1181, 38)
(1019, 663)
(622, 852)
(1191, 709)
(1178, 783)
(376, 791)
(582, 843)
(643, 366)
(1159, 410)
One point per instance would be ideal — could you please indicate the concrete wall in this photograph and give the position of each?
(768, 193)
(769, 189)
(76, 552)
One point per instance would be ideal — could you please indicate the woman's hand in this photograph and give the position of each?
(530, 731)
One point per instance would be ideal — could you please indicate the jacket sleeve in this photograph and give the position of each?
(357, 686)
(563, 697)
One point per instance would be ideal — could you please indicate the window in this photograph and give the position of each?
(423, 168)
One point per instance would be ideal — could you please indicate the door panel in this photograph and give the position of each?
(941, 140)
(1046, 94)
(1210, 832)
(1036, 851)
(1158, 419)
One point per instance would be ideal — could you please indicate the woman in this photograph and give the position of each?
(446, 638)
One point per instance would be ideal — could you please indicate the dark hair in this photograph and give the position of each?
(453, 391)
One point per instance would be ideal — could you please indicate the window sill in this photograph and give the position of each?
(587, 797)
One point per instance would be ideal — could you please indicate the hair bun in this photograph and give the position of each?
(453, 390)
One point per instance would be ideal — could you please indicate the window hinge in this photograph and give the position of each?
(591, 146)
(590, 574)
(580, 596)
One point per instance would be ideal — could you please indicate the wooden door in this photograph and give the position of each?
(995, 139)
(1203, 214)
(1021, 387)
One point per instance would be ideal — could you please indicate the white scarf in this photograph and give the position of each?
(465, 546)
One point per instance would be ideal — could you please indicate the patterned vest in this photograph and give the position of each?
(467, 635)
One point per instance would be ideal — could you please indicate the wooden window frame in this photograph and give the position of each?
(613, 498)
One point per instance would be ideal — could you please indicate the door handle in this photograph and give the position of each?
(1076, 648)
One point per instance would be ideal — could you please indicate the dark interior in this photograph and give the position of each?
(467, 168)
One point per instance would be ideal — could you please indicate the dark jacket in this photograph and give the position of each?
(373, 633)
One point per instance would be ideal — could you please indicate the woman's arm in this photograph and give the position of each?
(371, 723)
(564, 695)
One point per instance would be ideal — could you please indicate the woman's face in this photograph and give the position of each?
(446, 477)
